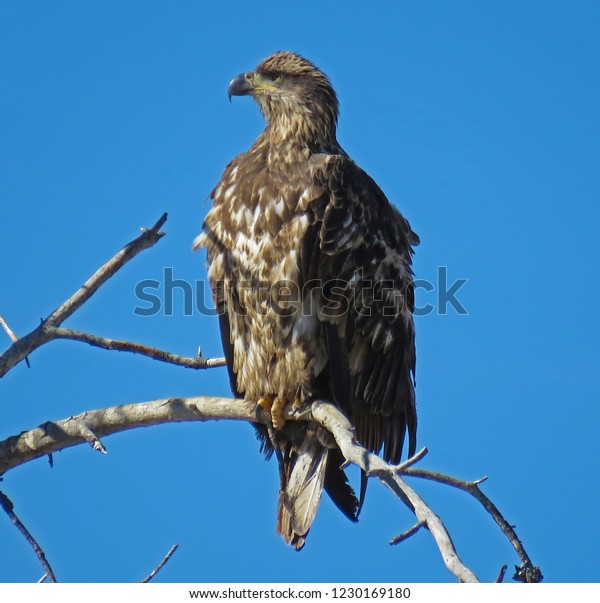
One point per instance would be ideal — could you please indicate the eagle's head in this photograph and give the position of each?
(295, 97)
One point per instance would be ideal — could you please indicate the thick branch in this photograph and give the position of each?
(41, 335)
(53, 436)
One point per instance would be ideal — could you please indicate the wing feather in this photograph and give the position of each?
(358, 241)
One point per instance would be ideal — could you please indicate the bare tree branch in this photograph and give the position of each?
(91, 438)
(407, 533)
(53, 436)
(8, 507)
(12, 336)
(197, 362)
(22, 347)
(7, 329)
(160, 565)
(473, 489)
(327, 415)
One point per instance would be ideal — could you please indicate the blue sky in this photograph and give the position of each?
(480, 122)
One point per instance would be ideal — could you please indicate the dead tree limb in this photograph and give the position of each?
(336, 423)
(500, 576)
(52, 436)
(43, 333)
(407, 533)
(12, 336)
(527, 570)
(90, 426)
(160, 565)
(196, 362)
(8, 507)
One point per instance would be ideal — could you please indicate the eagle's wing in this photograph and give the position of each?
(359, 249)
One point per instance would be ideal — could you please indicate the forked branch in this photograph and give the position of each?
(50, 328)
(526, 572)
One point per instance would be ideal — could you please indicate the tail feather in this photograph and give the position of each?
(339, 489)
(300, 495)
(306, 471)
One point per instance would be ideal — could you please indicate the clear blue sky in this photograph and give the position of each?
(478, 119)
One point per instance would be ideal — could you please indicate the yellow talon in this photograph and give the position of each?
(266, 402)
(277, 413)
(275, 406)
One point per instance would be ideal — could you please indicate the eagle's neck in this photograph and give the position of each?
(305, 127)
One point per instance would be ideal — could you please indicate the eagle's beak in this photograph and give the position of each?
(240, 85)
(249, 83)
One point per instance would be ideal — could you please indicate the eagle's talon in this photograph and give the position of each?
(275, 406)
(266, 403)
(277, 410)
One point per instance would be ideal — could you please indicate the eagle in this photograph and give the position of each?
(310, 268)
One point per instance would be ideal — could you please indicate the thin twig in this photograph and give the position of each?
(160, 565)
(91, 438)
(8, 507)
(12, 336)
(8, 330)
(21, 348)
(197, 362)
(501, 573)
(402, 467)
(407, 534)
(148, 238)
(473, 489)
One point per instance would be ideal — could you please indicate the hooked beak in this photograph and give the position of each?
(240, 85)
(249, 83)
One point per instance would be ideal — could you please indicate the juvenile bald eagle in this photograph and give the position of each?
(310, 268)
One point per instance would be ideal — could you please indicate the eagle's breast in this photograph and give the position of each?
(254, 234)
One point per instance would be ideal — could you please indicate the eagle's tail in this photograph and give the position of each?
(303, 479)
(305, 472)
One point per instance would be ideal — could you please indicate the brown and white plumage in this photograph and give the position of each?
(310, 269)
